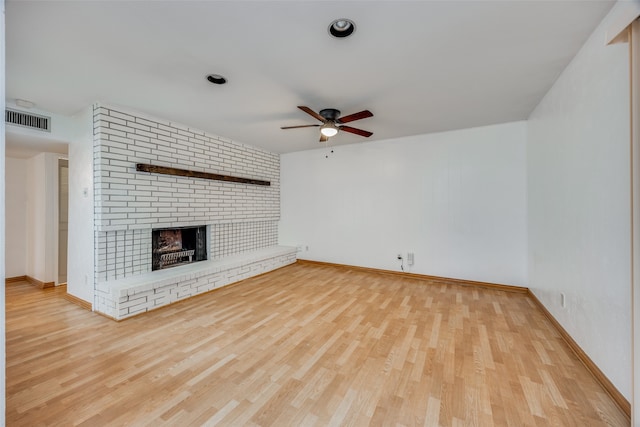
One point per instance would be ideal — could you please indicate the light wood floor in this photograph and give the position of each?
(304, 345)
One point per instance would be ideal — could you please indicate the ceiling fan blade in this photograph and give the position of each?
(323, 138)
(310, 112)
(356, 116)
(357, 131)
(299, 126)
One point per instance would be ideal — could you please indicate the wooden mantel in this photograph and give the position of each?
(143, 167)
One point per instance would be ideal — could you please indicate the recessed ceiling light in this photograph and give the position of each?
(216, 79)
(342, 28)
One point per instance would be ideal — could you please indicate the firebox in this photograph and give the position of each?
(178, 246)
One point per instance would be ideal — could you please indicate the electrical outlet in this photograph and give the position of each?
(563, 300)
(410, 258)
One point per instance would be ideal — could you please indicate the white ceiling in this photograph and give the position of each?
(419, 66)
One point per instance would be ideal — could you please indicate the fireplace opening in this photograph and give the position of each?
(178, 246)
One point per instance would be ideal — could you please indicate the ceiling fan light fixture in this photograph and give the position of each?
(328, 130)
(342, 27)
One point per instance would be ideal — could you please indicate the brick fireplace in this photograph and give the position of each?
(129, 205)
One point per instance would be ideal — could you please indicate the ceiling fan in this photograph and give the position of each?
(332, 122)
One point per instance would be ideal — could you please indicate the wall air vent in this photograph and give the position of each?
(27, 120)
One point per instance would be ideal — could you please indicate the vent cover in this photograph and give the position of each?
(27, 120)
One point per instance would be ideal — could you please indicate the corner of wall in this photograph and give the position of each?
(81, 250)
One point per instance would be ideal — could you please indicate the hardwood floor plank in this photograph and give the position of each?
(308, 344)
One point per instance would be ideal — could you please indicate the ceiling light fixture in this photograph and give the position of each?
(342, 28)
(24, 103)
(328, 129)
(216, 79)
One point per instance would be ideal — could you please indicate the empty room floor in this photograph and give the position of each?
(303, 345)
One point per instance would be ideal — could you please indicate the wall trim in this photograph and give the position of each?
(447, 280)
(15, 279)
(78, 301)
(39, 283)
(106, 316)
(608, 386)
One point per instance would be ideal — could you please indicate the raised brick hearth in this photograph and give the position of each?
(133, 295)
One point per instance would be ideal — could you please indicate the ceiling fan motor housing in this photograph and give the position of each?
(330, 114)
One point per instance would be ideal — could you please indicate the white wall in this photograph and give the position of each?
(41, 216)
(15, 219)
(80, 252)
(23, 142)
(456, 199)
(579, 204)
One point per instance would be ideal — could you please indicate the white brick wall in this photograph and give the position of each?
(123, 253)
(237, 237)
(126, 199)
(128, 204)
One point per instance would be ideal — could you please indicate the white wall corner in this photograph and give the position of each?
(619, 18)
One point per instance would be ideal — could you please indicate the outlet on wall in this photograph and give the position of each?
(563, 300)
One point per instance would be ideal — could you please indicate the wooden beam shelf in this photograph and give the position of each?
(143, 167)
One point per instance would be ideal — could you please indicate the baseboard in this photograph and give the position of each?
(16, 279)
(437, 279)
(611, 389)
(106, 316)
(40, 283)
(78, 301)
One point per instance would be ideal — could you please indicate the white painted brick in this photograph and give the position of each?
(120, 222)
(141, 144)
(138, 157)
(123, 128)
(138, 149)
(145, 133)
(115, 210)
(111, 134)
(118, 114)
(138, 125)
(137, 310)
(175, 126)
(190, 201)
(111, 119)
(165, 127)
(139, 138)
